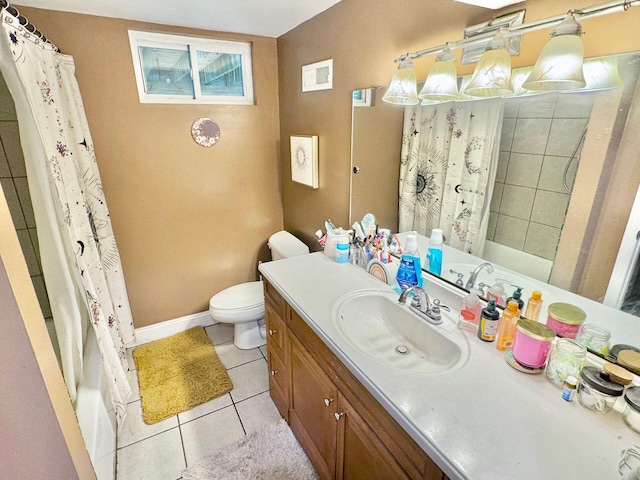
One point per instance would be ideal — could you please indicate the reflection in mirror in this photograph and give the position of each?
(564, 183)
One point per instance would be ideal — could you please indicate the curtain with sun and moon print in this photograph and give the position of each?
(448, 166)
(49, 83)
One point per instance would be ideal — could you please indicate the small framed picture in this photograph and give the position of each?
(317, 76)
(304, 160)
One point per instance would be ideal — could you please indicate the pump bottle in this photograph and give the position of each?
(410, 270)
(434, 255)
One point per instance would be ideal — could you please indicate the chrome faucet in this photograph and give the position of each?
(422, 305)
(471, 283)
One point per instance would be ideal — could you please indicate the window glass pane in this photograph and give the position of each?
(166, 71)
(220, 73)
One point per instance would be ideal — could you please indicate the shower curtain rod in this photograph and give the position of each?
(25, 23)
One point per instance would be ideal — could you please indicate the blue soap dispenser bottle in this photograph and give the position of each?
(410, 269)
(434, 254)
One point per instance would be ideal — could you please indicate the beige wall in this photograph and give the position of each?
(189, 220)
(363, 38)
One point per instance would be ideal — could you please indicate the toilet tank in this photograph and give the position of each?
(283, 245)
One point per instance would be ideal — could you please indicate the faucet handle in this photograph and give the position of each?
(437, 306)
(416, 303)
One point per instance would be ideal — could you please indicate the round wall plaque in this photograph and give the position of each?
(205, 132)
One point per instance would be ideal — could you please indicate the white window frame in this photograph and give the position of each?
(191, 44)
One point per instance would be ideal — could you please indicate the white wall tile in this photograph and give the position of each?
(550, 208)
(511, 231)
(517, 201)
(496, 197)
(22, 188)
(540, 106)
(565, 135)
(28, 252)
(10, 136)
(508, 130)
(531, 135)
(542, 240)
(11, 195)
(503, 165)
(552, 173)
(524, 169)
(574, 105)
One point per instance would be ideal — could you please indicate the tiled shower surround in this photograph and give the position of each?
(13, 177)
(529, 201)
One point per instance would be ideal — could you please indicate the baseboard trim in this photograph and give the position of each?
(170, 327)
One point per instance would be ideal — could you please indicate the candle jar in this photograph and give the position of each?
(566, 359)
(532, 343)
(565, 319)
(593, 337)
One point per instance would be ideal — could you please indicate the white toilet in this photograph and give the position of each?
(243, 305)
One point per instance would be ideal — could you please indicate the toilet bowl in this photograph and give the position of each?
(243, 305)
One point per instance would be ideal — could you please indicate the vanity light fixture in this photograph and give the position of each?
(489, 78)
(442, 81)
(403, 90)
(559, 66)
(493, 4)
(492, 76)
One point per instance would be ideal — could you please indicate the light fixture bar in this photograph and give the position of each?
(595, 11)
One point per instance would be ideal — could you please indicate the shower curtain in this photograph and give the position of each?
(80, 259)
(448, 166)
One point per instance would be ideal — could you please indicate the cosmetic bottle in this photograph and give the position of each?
(470, 311)
(497, 293)
(534, 305)
(488, 325)
(517, 296)
(507, 326)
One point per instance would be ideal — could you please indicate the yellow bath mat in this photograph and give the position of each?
(178, 373)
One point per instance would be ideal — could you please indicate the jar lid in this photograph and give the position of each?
(597, 379)
(535, 330)
(632, 396)
(566, 313)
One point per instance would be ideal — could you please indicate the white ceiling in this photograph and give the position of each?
(270, 18)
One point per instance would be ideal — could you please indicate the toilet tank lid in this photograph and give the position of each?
(244, 295)
(286, 244)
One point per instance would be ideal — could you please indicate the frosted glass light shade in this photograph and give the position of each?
(601, 73)
(559, 66)
(492, 76)
(402, 90)
(442, 83)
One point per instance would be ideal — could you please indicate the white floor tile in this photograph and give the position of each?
(201, 436)
(249, 379)
(231, 356)
(134, 429)
(135, 387)
(257, 411)
(201, 410)
(220, 333)
(263, 350)
(156, 458)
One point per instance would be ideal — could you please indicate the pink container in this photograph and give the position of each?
(565, 319)
(532, 343)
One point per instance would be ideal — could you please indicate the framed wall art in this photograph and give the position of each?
(317, 76)
(304, 160)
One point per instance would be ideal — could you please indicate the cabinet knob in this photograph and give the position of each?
(271, 332)
(273, 373)
(327, 401)
(338, 416)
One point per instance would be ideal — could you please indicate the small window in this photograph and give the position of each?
(166, 66)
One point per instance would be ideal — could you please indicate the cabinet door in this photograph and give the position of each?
(313, 409)
(361, 454)
(276, 331)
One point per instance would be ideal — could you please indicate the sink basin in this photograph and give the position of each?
(394, 336)
(511, 278)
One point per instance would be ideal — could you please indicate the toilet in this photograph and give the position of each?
(243, 305)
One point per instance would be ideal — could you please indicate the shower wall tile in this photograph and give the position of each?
(508, 130)
(574, 105)
(553, 172)
(511, 109)
(542, 107)
(564, 136)
(524, 169)
(28, 252)
(22, 187)
(41, 293)
(10, 136)
(511, 231)
(492, 225)
(7, 109)
(531, 135)
(496, 197)
(15, 209)
(550, 208)
(517, 201)
(542, 240)
(5, 171)
(33, 233)
(503, 164)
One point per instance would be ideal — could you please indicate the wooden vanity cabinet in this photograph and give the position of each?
(346, 433)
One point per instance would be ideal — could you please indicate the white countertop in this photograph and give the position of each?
(483, 421)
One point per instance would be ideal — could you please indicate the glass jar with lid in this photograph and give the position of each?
(631, 411)
(594, 337)
(596, 391)
(566, 359)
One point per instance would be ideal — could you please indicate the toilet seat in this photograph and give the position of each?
(240, 303)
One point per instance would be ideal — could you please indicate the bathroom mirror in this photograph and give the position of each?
(567, 167)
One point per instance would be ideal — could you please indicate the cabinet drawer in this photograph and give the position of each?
(273, 298)
(276, 331)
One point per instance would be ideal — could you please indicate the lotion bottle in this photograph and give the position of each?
(470, 311)
(488, 326)
(517, 296)
(507, 326)
(497, 293)
(410, 270)
(534, 305)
